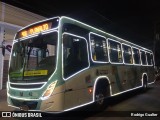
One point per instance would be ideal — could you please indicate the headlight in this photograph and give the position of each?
(49, 90)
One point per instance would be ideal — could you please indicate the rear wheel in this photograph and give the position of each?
(145, 84)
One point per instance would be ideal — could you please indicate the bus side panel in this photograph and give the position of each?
(77, 89)
(150, 73)
(111, 72)
(121, 78)
(134, 75)
(118, 75)
(126, 77)
(55, 102)
(149, 70)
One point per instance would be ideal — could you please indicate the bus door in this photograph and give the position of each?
(75, 61)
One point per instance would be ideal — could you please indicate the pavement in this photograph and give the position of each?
(3, 101)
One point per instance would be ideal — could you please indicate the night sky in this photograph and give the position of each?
(133, 20)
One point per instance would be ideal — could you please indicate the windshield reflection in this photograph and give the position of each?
(33, 58)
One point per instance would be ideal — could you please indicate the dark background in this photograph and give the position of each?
(137, 21)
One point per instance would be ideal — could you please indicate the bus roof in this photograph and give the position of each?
(103, 32)
(63, 19)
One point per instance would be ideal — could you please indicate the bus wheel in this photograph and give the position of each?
(100, 96)
(145, 84)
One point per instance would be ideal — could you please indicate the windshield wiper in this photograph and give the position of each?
(28, 53)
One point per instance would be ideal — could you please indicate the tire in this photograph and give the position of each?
(100, 98)
(145, 84)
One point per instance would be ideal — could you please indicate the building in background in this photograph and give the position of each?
(11, 20)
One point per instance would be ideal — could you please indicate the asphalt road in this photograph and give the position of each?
(119, 107)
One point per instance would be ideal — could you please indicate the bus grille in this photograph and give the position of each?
(26, 86)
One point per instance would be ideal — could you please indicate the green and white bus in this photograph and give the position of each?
(61, 64)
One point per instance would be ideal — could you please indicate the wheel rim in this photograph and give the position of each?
(100, 99)
(145, 85)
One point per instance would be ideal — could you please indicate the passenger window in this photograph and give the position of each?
(136, 56)
(75, 54)
(115, 51)
(143, 58)
(127, 54)
(149, 58)
(98, 48)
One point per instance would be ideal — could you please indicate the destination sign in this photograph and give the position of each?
(35, 29)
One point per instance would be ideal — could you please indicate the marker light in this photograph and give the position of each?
(49, 90)
(90, 90)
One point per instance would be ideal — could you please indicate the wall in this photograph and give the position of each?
(11, 20)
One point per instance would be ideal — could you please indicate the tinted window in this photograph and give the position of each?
(98, 48)
(143, 58)
(115, 51)
(75, 56)
(136, 56)
(149, 58)
(127, 54)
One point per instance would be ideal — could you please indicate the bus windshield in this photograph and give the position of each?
(33, 59)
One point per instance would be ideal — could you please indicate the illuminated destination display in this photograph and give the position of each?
(35, 29)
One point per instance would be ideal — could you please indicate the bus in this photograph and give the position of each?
(61, 64)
